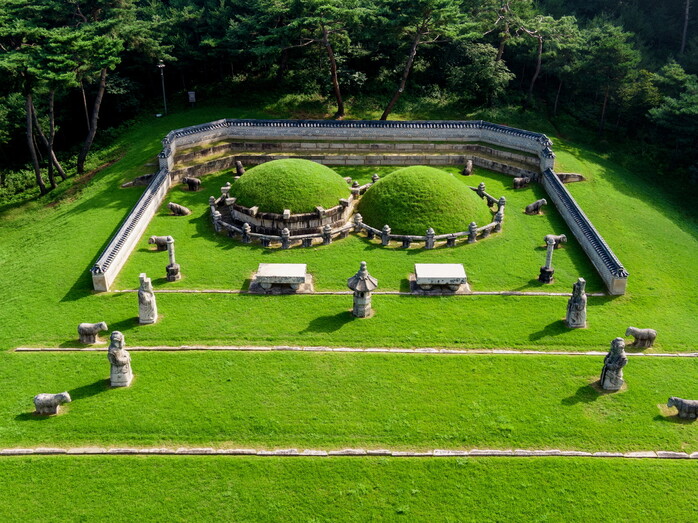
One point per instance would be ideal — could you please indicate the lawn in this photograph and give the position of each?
(337, 400)
(187, 488)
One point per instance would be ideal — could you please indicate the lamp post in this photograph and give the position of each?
(161, 66)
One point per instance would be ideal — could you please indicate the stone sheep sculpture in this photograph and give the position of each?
(644, 338)
(687, 408)
(468, 169)
(49, 403)
(160, 242)
(535, 207)
(178, 210)
(558, 239)
(88, 331)
(193, 183)
(521, 183)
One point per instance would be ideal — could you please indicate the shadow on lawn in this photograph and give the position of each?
(674, 419)
(329, 323)
(551, 329)
(585, 394)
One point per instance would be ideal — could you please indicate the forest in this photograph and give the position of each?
(619, 74)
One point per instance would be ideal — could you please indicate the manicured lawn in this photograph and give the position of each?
(509, 260)
(191, 488)
(46, 252)
(333, 401)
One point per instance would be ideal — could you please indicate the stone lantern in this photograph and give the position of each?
(362, 283)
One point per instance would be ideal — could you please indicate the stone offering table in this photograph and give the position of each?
(293, 275)
(441, 276)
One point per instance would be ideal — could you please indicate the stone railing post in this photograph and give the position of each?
(429, 243)
(173, 272)
(326, 235)
(547, 271)
(216, 217)
(246, 230)
(285, 238)
(375, 178)
(472, 232)
(498, 220)
(481, 190)
(501, 203)
(385, 235)
(358, 222)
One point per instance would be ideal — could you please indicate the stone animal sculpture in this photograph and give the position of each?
(178, 210)
(159, 241)
(520, 183)
(686, 408)
(192, 183)
(535, 207)
(49, 403)
(558, 239)
(239, 169)
(468, 169)
(644, 338)
(88, 331)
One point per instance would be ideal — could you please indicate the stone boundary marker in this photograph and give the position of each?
(437, 453)
(344, 293)
(287, 348)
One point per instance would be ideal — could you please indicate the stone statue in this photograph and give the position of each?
(88, 331)
(613, 363)
(178, 210)
(147, 308)
(644, 338)
(688, 409)
(121, 373)
(577, 306)
(47, 404)
(535, 207)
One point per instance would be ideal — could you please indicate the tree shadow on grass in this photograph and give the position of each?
(329, 323)
(551, 329)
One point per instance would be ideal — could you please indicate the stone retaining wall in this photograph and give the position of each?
(608, 266)
(228, 162)
(124, 241)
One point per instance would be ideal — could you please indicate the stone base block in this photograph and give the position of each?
(546, 275)
(437, 290)
(173, 273)
(281, 288)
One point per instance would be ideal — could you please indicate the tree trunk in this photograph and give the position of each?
(685, 27)
(502, 43)
(557, 98)
(52, 134)
(603, 111)
(283, 66)
(48, 142)
(84, 105)
(538, 62)
(405, 74)
(93, 123)
(333, 69)
(30, 143)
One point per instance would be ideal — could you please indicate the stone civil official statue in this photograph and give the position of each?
(121, 373)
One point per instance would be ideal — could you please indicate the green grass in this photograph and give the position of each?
(188, 488)
(293, 183)
(211, 261)
(413, 199)
(338, 400)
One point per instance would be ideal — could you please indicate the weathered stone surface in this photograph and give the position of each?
(576, 317)
(192, 183)
(451, 275)
(178, 210)
(49, 450)
(688, 409)
(16, 452)
(147, 306)
(608, 454)
(87, 450)
(308, 452)
(379, 452)
(449, 453)
(490, 452)
(362, 283)
(671, 455)
(88, 331)
(160, 242)
(613, 363)
(644, 338)
(47, 404)
(238, 452)
(641, 454)
(121, 374)
(348, 452)
(535, 207)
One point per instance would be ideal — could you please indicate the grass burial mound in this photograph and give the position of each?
(412, 199)
(294, 184)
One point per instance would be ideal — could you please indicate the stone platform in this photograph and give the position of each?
(439, 278)
(281, 278)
